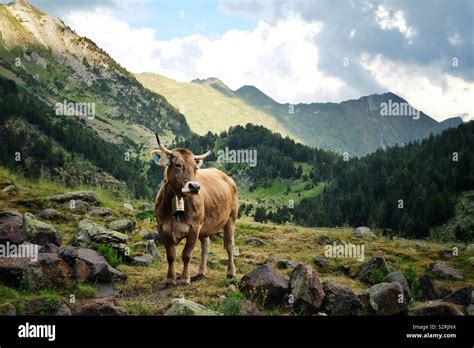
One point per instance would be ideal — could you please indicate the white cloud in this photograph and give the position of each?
(440, 98)
(389, 20)
(455, 39)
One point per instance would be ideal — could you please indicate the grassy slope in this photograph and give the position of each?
(143, 292)
(206, 109)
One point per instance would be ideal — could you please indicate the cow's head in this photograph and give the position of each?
(181, 167)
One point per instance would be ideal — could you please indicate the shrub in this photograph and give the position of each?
(110, 255)
(233, 304)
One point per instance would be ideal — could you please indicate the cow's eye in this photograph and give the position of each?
(179, 166)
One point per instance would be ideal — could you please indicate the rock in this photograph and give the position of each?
(437, 308)
(103, 306)
(88, 196)
(181, 307)
(462, 296)
(11, 227)
(340, 300)
(145, 247)
(321, 261)
(68, 254)
(90, 234)
(470, 310)
(265, 285)
(428, 289)
(51, 214)
(124, 225)
(254, 241)
(92, 257)
(324, 240)
(128, 206)
(80, 270)
(7, 309)
(445, 254)
(384, 298)
(63, 310)
(398, 277)
(443, 270)
(50, 270)
(9, 188)
(100, 273)
(13, 271)
(142, 260)
(78, 206)
(49, 248)
(363, 232)
(155, 236)
(306, 289)
(251, 310)
(39, 232)
(372, 269)
(99, 211)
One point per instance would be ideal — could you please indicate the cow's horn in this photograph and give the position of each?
(203, 156)
(164, 149)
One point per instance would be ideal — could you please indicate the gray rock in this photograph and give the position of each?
(11, 227)
(81, 271)
(9, 188)
(100, 272)
(264, 284)
(145, 247)
(182, 307)
(340, 300)
(445, 254)
(282, 263)
(39, 232)
(143, 260)
(78, 206)
(155, 236)
(51, 271)
(13, 271)
(376, 266)
(398, 277)
(321, 261)
(128, 206)
(88, 196)
(49, 248)
(123, 225)
(99, 211)
(92, 257)
(254, 241)
(51, 214)
(443, 270)
(462, 296)
(384, 298)
(363, 232)
(63, 310)
(68, 254)
(428, 289)
(437, 308)
(307, 289)
(106, 306)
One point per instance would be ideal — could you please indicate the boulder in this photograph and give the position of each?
(11, 227)
(51, 271)
(100, 272)
(363, 232)
(99, 211)
(307, 289)
(428, 289)
(92, 257)
(128, 206)
(106, 306)
(443, 270)
(321, 261)
(68, 254)
(49, 248)
(39, 232)
(123, 225)
(398, 277)
(182, 307)
(340, 300)
(9, 188)
(90, 234)
(374, 268)
(13, 271)
(265, 285)
(78, 206)
(283, 263)
(155, 236)
(437, 308)
(51, 214)
(446, 254)
(145, 247)
(462, 296)
(63, 310)
(88, 196)
(80, 270)
(142, 260)
(384, 298)
(254, 241)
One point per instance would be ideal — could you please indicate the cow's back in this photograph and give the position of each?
(220, 199)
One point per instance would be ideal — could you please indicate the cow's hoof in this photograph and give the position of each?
(170, 283)
(198, 277)
(230, 276)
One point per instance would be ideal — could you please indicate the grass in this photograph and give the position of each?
(110, 255)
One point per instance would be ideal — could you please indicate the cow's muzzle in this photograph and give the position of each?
(191, 187)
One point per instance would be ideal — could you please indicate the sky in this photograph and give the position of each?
(294, 51)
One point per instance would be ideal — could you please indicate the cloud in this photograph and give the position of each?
(389, 20)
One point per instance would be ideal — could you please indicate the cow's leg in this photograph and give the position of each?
(229, 247)
(204, 254)
(170, 256)
(187, 253)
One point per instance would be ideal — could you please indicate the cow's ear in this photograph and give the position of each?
(199, 163)
(159, 157)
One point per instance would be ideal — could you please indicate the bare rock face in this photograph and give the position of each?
(437, 308)
(340, 300)
(11, 227)
(307, 289)
(264, 284)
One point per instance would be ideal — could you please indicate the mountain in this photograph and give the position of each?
(49, 60)
(209, 105)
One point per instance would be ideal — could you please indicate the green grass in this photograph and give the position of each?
(233, 304)
(110, 255)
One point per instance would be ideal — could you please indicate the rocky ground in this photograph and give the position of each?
(101, 255)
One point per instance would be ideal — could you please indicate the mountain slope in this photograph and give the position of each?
(209, 105)
(52, 62)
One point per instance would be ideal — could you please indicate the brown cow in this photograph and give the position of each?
(210, 205)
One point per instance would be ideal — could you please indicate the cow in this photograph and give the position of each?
(210, 204)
